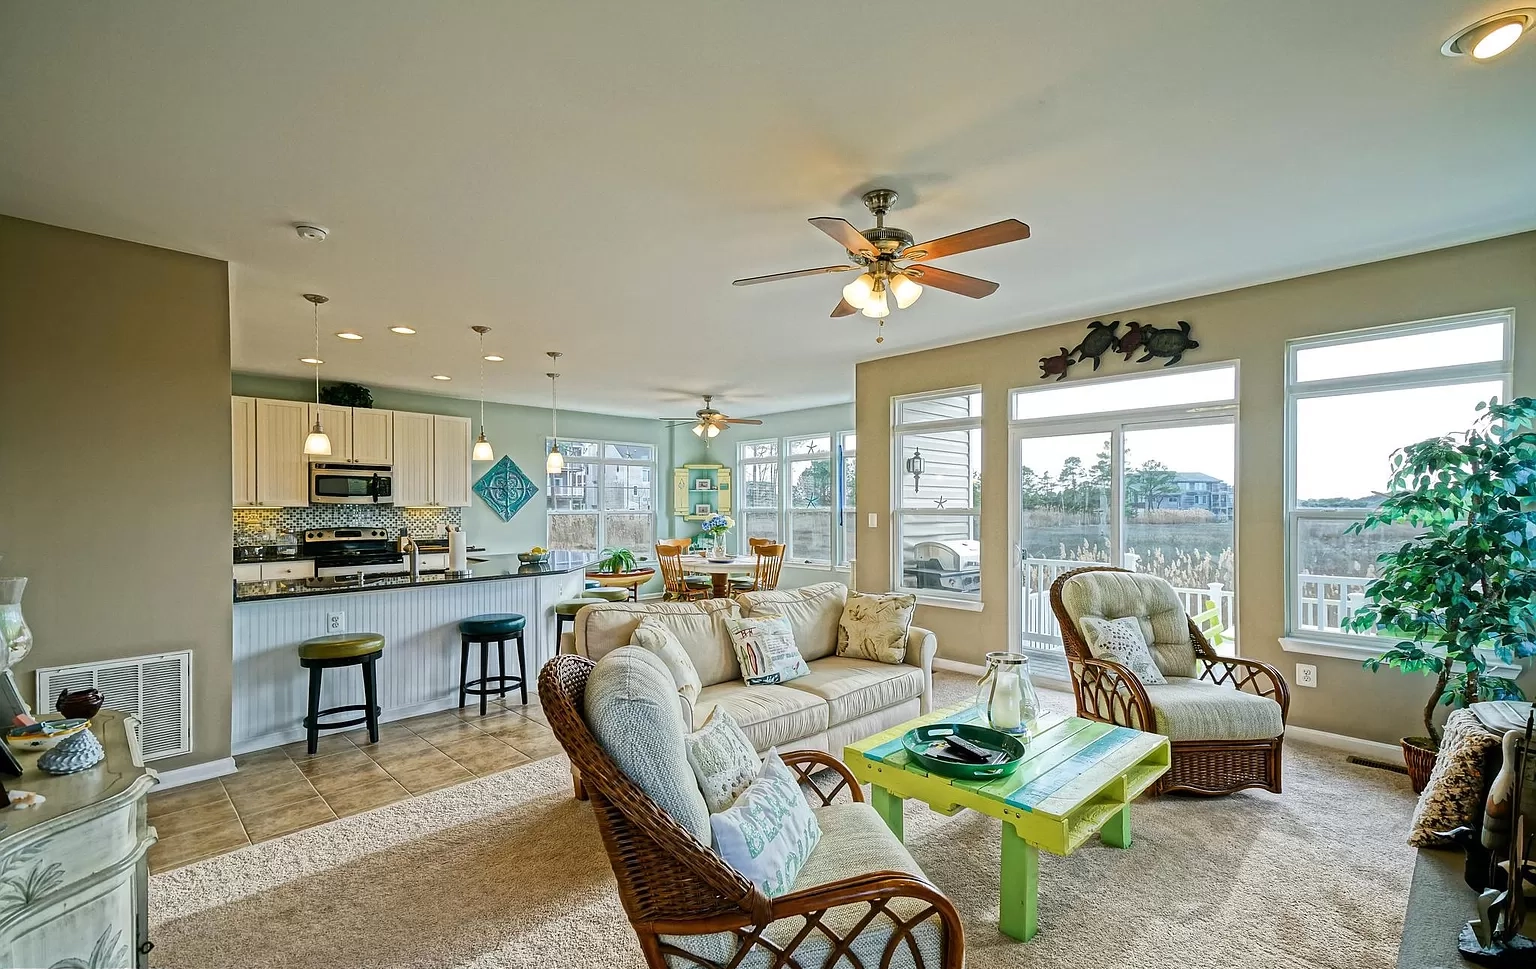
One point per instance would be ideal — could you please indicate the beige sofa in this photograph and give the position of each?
(840, 701)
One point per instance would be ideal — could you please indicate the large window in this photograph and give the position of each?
(606, 496)
(1352, 399)
(937, 466)
(794, 490)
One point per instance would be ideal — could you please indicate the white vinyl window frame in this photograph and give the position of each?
(847, 500)
(782, 459)
(900, 516)
(1360, 646)
(602, 462)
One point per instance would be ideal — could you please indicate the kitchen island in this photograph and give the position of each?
(419, 671)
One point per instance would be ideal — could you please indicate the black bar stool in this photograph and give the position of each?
(345, 649)
(497, 627)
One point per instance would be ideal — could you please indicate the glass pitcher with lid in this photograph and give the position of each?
(1006, 696)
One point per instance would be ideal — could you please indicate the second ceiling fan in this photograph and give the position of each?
(893, 266)
(708, 422)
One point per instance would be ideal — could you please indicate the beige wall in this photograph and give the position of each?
(114, 456)
(1249, 325)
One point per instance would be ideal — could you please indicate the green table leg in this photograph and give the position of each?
(889, 807)
(1018, 914)
(1117, 830)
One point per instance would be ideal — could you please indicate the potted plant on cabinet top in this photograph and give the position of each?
(616, 568)
(1465, 586)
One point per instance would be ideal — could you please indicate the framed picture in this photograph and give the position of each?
(703, 508)
(703, 484)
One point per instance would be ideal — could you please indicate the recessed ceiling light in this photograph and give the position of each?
(441, 376)
(402, 329)
(494, 358)
(312, 361)
(1491, 36)
(349, 335)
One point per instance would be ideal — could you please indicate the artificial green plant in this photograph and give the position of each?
(615, 560)
(1465, 587)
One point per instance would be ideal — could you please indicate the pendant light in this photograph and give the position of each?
(556, 461)
(317, 444)
(482, 451)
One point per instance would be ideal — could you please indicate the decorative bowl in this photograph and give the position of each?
(920, 740)
(529, 558)
(45, 734)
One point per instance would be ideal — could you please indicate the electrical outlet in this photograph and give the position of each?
(1306, 674)
(335, 622)
(874, 519)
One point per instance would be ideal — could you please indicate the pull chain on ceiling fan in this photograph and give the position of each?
(880, 253)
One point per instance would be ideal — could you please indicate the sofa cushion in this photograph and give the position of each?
(769, 832)
(854, 688)
(812, 611)
(1113, 595)
(699, 626)
(765, 649)
(1190, 709)
(770, 716)
(724, 761)
(875, 626)
(656, 637)
(631, 708)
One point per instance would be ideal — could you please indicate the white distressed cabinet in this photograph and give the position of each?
(242, 449)
(372, 436)
(282, 468)
(450, 460)
(73, 871)
(337, 424)
(412, 434)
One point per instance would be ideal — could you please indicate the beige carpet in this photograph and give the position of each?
(507, 871)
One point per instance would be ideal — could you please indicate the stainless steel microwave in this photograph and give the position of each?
(351, 484)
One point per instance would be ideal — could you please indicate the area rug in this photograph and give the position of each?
(507, 871)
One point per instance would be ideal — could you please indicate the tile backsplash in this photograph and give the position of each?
(251, 524)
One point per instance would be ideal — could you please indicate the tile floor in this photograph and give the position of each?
(282, 790)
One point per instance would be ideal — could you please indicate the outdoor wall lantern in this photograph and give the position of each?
(915, 468)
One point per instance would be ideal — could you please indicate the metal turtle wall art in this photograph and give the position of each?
(1099, 341)
(1130, 341)
(1056, 366)
(1168, 342)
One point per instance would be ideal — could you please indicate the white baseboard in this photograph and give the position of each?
(1369, 749)
(955, 666)
(195, 773)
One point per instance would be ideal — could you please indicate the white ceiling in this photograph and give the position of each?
(590, 177)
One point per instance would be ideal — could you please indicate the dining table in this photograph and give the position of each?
(719, 572)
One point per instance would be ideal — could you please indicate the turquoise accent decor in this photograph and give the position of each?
(505, 488)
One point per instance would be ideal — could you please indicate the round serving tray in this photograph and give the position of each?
(919, 740)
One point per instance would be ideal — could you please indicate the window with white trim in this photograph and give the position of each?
(793, 490)
(938, 508)
(605, 496)
(1352, 399)
(847, 497)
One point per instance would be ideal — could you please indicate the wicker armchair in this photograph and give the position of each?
(673, 887)
(1109, 692)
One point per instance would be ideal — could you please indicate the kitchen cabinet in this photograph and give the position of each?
(372, 436)
(297, 569)
(282, 468)
(242, 449)
(248, 572)
(450, 460)
(412, 441)
(336, 422)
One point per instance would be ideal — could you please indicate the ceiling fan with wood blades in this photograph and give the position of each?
(893, 266)
(708, 422)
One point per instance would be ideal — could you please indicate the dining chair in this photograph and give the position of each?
(670, 555)
(765, 572)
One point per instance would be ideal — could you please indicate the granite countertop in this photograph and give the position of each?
(482, 569)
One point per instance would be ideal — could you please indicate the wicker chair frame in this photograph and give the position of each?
(672, 885)
(1109, 692)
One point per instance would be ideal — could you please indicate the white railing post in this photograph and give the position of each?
(1131, 558)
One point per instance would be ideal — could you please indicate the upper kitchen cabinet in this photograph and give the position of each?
(372, 436)
(282, 470)
(242, 452)
(412, 445)
(450, 460)
(337, 424)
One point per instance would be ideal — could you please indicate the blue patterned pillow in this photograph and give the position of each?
(770, 830)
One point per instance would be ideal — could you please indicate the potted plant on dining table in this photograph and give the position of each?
(616, 568)
(715, 526)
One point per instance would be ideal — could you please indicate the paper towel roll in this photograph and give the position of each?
(458, 550)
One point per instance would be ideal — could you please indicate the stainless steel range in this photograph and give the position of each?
(352, 551)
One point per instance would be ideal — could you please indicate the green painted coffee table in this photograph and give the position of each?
(1078, 777)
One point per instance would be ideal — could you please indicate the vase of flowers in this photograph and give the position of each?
(715, 526)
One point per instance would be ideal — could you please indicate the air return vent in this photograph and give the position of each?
(156, 689)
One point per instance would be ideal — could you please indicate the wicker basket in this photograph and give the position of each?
(1419, 754)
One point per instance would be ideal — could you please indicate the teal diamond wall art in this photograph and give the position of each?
(505, 488)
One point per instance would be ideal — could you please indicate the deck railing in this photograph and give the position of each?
(1041, 631)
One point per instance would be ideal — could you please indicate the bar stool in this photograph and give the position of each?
(496, 627)
(566, 609)
(346, 649)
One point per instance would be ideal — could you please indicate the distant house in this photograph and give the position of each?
(1198, 490)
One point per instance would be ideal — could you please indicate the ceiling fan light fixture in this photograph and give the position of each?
(905, 290)
(712, 431)
(1491, 36)
(858, 292)
(877, 308)
(698, 429)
